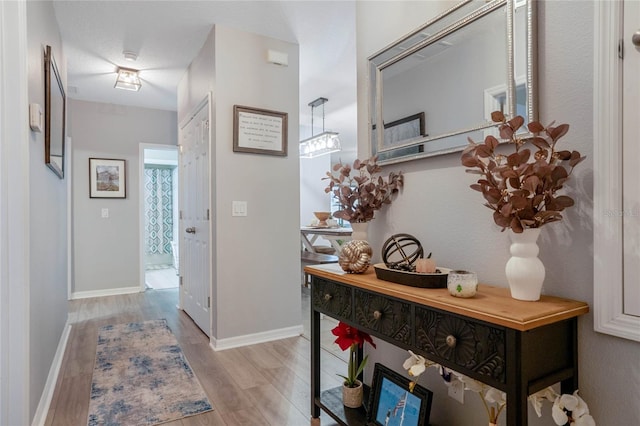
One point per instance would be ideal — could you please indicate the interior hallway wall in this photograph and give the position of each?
(256, 258)
(48, 214)
(106, 250)
(439, 208)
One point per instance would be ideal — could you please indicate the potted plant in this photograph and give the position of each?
(351, 338)
(522, 189)
(360, 195)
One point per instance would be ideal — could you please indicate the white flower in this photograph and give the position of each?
(416, 364)
(574, 404)
(536, 399)
(493, 395)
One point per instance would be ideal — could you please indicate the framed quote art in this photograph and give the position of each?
(259, 131)
(107, 178)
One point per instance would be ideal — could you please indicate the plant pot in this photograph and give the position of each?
(360, 231)
(525, 272)
(352, 397)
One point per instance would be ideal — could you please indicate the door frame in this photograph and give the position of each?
(141, 212)
(14, 215)
(608, 283)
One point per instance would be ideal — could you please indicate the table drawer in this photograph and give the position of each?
(467, 343)
(387, 316)
(331, 298)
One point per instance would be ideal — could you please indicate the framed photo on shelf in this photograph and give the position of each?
(107, 178)
(392, 404)
(259, 131)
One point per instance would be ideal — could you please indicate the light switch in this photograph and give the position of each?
(239, 208)
(105, 213)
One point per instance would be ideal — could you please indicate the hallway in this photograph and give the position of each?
(264, 384)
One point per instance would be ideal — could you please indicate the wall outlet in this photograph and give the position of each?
(105, 213)
(456, 391)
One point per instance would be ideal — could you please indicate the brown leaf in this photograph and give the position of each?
(535, 127)
(564, 201)
(476, 187)
(513, 160)
(491, 142)
(483, 151)
(497, 116)
(516, 226)
(558, 132)
(564, 155)
(501, 220)
(531, 184)
(518, 203)
(516, 122)
(506, 132)
(540, 142)
(469, 161)
(492, 195)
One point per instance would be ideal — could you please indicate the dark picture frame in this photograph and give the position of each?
(399, 131)
(391, 403)
(107, 178)
(259, 131)
(54, 115)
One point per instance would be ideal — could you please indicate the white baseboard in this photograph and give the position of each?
(47, 393)
(252, 339)
(102, 293)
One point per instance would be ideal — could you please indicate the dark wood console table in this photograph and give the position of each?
(515, 346)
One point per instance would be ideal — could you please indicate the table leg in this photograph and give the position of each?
(306, 244)
(315, 361)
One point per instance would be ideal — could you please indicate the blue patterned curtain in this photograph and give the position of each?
(158, 204)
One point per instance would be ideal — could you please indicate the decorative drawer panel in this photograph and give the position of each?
(331, 298)
(389, 317)
(466, 343)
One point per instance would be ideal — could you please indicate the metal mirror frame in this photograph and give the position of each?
(51, 72)
(383, 59)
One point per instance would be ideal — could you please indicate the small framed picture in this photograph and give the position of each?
(392, 404)
(259, 131)
(107, 178)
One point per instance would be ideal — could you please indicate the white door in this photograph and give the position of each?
(195, 231)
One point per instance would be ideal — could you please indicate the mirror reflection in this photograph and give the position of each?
(453, 71)
(54, 134)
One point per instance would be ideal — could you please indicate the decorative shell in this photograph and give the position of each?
(355, 256)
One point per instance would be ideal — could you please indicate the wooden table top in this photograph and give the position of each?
(491, 304)
(343, 232)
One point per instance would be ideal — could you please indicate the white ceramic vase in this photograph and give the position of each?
(352, 397)
(360, 231)
(525, 272)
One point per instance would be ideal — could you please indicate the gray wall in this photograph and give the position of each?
(107, 251)
(439, 208)
(48, 211)
(256, 260)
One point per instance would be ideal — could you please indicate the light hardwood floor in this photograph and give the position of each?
(265, 384)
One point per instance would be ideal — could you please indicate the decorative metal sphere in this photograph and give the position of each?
(401, 251)
(355, 256)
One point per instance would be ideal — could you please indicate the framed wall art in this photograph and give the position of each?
(259, 131)
(107, 178)
(392, 404)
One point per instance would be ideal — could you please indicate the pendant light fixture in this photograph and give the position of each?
(323, 143)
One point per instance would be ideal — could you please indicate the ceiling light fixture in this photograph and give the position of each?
(128, 79)
(323, 143)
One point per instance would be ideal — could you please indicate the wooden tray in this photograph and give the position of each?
(413, 279)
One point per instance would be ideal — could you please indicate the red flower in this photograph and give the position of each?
(348, 336)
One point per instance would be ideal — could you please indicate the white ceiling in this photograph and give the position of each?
(167, 35)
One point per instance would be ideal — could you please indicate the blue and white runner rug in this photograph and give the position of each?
(141, 377)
